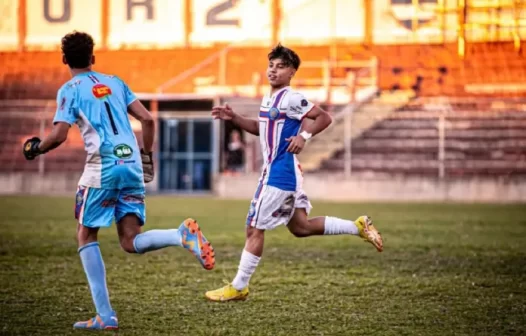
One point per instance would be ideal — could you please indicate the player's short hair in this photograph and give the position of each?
(77, 48)
(288, 56)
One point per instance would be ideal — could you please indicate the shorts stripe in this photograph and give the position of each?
(255, 218)
(250, 217)
(83, 206)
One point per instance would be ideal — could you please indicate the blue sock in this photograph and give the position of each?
(156, 239)
(96, 274)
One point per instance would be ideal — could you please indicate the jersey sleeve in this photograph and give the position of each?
(129, 96)
(67, 106)
(299, 106)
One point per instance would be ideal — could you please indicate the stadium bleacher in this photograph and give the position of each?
(481, 137)
(442, 73)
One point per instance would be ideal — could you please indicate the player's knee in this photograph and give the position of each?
(254, 234)
(86, 235)
(298, 231)
(127, 244)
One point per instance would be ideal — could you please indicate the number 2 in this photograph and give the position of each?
(212, 15)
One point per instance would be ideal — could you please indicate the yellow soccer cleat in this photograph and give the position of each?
(227, 293)
(369, 233)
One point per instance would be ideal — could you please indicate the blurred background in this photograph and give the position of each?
(428, 96)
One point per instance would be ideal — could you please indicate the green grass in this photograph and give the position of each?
(447, 269)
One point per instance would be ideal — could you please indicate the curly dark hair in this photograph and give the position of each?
(288, 56)
(77, 48)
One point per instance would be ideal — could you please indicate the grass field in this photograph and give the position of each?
(446, 270)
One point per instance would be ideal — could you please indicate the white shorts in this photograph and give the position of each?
(272, 207)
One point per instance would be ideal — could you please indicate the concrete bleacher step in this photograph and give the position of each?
(401, 134)
(326, 144)
(395, 144)
(407, 124)
(485, 134)
(387, 165)
(487, 124)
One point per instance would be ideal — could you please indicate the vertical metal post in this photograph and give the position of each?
(443, 11)
(461, 39)
(41, 158)
(222, 67)
(327, 80)
(516, 25)
(347, 130)
(22, 24)
(441, 146)
(414, 21)
(348, 144)
(217, 136)
(105, 23)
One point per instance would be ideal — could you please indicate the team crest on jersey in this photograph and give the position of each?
(273, 113)
(100, 90)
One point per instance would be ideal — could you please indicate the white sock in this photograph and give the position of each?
(338, 226)
(246, 268)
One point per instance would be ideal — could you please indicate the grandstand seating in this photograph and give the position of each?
(441, 70)
(22, 122)
(407, 142)
(482, 137)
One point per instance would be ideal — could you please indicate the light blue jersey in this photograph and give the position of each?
(98, 104)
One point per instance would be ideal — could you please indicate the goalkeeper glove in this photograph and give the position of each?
(31, 150)
(147, 166)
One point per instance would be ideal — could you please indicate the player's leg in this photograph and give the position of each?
(270, 208)
(302, 226)
(93, 210)
(130, 215)
(250, 257)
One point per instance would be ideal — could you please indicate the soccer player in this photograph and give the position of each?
(112, 184)
(279, 198)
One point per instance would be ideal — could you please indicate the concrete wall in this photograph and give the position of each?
(318, 187)
(392, 189)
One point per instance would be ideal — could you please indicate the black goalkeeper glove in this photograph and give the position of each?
(31, 150)
(147, 166)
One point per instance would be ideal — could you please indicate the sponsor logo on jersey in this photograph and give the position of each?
(123, 151)
(100, 90)
(121, 162)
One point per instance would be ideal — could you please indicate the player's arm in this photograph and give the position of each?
(249, 125)
(65, 116)
(58, 135)
(322, 120)
(139, 112)
(300, 108)
(226, 113)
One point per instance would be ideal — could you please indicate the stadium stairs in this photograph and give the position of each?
(372, 109)
(482, 138)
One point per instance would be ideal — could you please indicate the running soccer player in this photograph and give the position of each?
(279, 198)
(112, 184)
